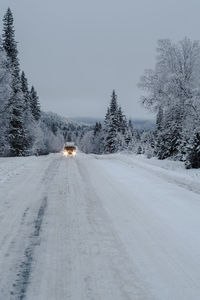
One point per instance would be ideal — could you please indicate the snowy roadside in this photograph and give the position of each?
(172, 171)
(14, 166)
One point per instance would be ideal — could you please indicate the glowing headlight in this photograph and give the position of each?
(65, 153)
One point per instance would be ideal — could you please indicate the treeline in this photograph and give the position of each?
(24, 129)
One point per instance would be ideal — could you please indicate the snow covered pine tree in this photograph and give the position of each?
(16, 132)
(115, 127)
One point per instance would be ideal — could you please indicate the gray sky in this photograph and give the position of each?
(75, 52)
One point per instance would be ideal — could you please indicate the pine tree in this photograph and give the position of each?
(100, 126)
(107, 119)
(193, 151)
(16, 131)
(113, 103)
(111, 140)
(121, 121)
(5, 78)
(35, 105)
(17, 134)
(29, 119)
(96, 139)
(116, 133)
(130, 125)
(9, 43)
(97, 128)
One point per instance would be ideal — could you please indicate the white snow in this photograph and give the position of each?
(98, 227)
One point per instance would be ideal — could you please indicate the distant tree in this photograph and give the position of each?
(97, 128)
(116, 133)
(112, 125)
(96, 139)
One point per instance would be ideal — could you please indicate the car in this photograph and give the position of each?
(69, 149)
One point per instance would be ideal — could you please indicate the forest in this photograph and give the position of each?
(171, 91)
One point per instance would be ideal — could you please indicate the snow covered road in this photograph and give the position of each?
(98, 227)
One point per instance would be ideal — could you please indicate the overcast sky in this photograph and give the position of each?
(75, 52)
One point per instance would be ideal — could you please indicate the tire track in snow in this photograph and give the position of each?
(22, 281)
(20, 286)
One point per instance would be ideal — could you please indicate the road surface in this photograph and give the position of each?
(97, 228)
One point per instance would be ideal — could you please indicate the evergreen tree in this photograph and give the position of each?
(116, 134)
(100, 126)
(107, 119)
(17, 134)
(193, 151)
(113, 103)
(122, 122)
(9, 43)
(16, 131)
(111, 141)
(29, 119)
(35, 105)
(130, 125)
(96, 139)
(97, 128)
